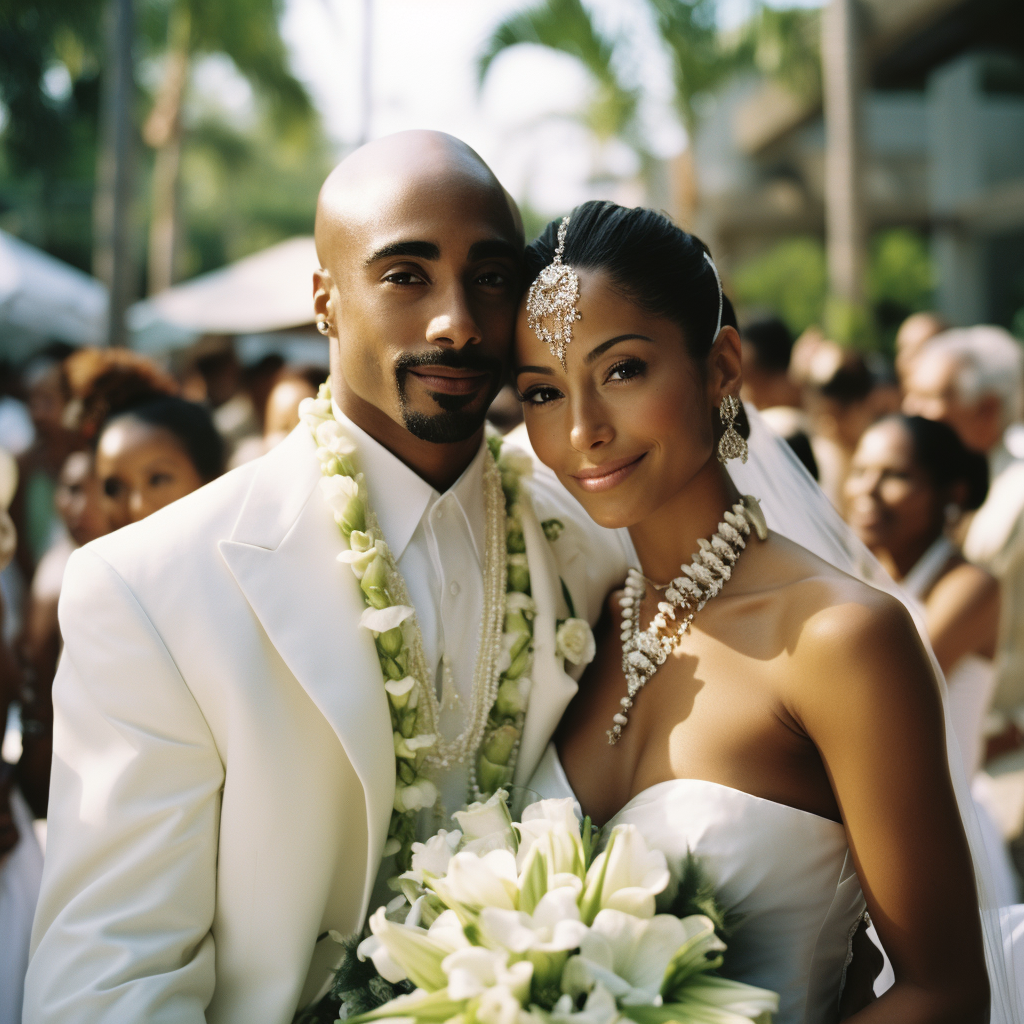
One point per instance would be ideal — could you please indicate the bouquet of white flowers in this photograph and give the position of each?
(523, 924)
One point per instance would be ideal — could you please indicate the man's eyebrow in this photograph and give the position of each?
(605, 345)
(494, 248)
(421, 250)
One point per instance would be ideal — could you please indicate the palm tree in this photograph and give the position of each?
(568, 27)
(247, 32)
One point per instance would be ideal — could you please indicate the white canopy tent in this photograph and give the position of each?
(267, 292)
(43, 298)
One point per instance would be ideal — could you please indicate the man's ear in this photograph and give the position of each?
(725, 365)
(322, 285)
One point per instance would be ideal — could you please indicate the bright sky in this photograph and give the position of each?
(424, 76)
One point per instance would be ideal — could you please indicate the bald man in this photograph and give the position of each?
(224, 767)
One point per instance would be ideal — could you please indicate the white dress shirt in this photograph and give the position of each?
(438, 541)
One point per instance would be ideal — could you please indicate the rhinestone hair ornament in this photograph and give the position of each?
(552, 299)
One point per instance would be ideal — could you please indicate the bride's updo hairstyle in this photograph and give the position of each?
(650, 261)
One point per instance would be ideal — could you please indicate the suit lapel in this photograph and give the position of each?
(282, 552)
(552, 687)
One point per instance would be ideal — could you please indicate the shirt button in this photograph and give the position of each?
(455, 588)
(439, 512)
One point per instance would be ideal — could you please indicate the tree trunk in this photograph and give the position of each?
(844, 206)
(162, 131)
(112, 256)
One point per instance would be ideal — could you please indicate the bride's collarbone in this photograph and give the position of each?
(717, 711)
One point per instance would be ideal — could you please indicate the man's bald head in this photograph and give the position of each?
(421, 254)
(369, 184)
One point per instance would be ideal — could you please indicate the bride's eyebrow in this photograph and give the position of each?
(605, 345)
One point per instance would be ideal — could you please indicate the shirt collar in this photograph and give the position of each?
(400, 497)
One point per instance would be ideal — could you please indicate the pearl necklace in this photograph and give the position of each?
(643, 652)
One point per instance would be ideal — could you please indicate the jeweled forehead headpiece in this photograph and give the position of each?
(552, 300)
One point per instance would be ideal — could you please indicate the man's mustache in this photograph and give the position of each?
(458, 359)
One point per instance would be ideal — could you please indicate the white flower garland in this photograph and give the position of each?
(501, 684)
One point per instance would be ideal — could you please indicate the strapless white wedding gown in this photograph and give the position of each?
(786, 873)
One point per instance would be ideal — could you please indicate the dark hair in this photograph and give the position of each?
(771, 341)
(945, 459)
(852, 382)
(190, 423)
(653, 262)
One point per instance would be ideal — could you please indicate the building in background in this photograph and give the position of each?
(943, 138)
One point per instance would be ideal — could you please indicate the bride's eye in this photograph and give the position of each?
(540, 394)
(627, 369)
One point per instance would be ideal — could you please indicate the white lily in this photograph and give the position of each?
(431, 858)
(380, 620)
(630, 955)
(399, 951)
(600, 1007)
(358, 560)
(473, 969)
(553, 927)
(475, 882)
(626, 876)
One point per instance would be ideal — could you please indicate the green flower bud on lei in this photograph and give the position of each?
(390, 641)
(497, 747)
(491, 777)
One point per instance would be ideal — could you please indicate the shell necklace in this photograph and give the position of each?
(644, 651)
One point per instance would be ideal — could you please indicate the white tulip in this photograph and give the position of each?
(431, 858)
(574, 641)
(555, 820)
(487, 826)
(626, 876)
(399, 951)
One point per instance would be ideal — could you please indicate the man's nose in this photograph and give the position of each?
(137, 506)
(454, 323)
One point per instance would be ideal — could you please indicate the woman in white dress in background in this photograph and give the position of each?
(793, 737)
(911, 479)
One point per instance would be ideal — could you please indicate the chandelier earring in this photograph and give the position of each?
(323, 326)
(731, 445)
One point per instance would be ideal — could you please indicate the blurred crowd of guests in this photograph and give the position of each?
(91, 440)
(924, 458)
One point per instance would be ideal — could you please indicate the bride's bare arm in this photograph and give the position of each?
(866, 696)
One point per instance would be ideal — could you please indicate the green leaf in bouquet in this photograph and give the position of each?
(696, 894)
(701, 952)
(533, 882)
(426, 1007)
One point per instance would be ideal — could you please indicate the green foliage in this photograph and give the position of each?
(357, 985)
(785, 44)
(696, 895)
(243, 190)
(568, 27)
(48, 143)
(791, 279)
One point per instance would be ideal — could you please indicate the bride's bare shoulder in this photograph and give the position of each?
(836, 621)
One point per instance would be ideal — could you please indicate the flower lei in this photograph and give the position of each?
(392, 621)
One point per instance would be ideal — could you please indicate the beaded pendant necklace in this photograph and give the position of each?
(645, 651)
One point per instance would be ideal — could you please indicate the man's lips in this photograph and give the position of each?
(608, 475)
(450, 380)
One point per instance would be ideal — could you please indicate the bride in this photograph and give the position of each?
(748, 701)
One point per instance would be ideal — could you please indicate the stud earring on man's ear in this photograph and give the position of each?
(731, 445)
(323, 326)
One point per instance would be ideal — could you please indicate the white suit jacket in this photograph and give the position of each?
(223, 763)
